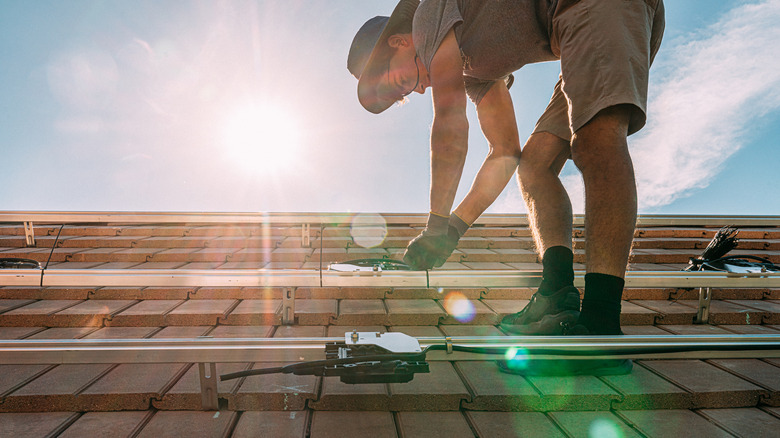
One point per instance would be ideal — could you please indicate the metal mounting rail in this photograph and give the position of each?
(310, 278)
(60, 217)
(222, 350)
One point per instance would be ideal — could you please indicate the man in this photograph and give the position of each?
(462, 48)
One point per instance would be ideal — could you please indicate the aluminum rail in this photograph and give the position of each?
(118, 217)
(311, 278)
(224, 350)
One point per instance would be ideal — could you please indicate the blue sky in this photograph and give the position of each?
(248, 106)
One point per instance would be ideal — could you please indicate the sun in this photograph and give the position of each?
(261, 138)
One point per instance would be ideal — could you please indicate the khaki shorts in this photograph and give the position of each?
(606, 49)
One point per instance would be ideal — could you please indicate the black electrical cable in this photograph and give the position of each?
(17, 263)
(637, 350)
(303, 366)
(308, 366)
(56, 239)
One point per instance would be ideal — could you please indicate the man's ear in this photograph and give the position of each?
(399, 40)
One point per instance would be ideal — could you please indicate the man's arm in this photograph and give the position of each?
(497, 119)
(449, 132)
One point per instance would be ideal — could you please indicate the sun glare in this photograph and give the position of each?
(261, 139)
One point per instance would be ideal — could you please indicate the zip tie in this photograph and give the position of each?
(448, 341)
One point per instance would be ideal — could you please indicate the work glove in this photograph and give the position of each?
(429, 250)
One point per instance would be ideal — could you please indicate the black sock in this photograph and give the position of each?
(601, 304)
(557, 270)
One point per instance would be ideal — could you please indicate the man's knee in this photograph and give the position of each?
(544, 154)
(603, 139)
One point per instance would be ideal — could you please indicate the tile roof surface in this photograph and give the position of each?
(660, 398)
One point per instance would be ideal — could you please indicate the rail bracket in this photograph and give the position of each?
(208, 386)
(705, 299)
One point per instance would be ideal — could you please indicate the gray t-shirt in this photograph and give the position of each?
(496, 37)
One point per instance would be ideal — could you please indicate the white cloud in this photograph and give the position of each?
(713, 86)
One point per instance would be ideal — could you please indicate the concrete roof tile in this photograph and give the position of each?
(189, 423)
(56, 390)
(106, 424)
(511, 424)
(575, 393)
(414, 312)
(254, 424)
(361, 312)
(439, 390)
(200, 312)
(255, 312)
(676, 422)
(711, 387)
(31, 425)
(144, 313)
(747, 422)
(433, 425)
(130, 386)
(340, 424)
(496, 391)
(588, 424)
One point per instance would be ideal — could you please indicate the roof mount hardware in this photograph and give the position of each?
(363, 357)
(705, 298)
(208, 386)
(305, 235)
(29, 233)
(369, 265)
(15, 263)
(288, 306)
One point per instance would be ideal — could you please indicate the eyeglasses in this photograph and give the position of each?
(417, 82)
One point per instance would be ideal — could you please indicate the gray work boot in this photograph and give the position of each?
(545, 315)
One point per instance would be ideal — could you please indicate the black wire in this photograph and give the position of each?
(308, 366)
(56, 239)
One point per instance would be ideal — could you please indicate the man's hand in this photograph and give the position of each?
(428, 251)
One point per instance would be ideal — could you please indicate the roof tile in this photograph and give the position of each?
(200, 312)
(106, 424)
(496, 391)
(255, 312)
(144, 313)
(439, 390)
(711, 387)
(130, 386)
(188, 423)
(57, 390)
(414, 312)
(747, 422)
(32, 425)
(643, 389)
(358, 424)
(590, 424)
(433, 425)
(361, 312)
(665, 423)
(512, 424)
(254, 424)
(574, 393)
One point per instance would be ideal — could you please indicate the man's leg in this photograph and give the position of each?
(557, 301)
(600, 151)
(549, 208)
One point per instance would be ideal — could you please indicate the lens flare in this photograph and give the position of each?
(516, 358)
(604, 428)
(368, 229)
(457, 305)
